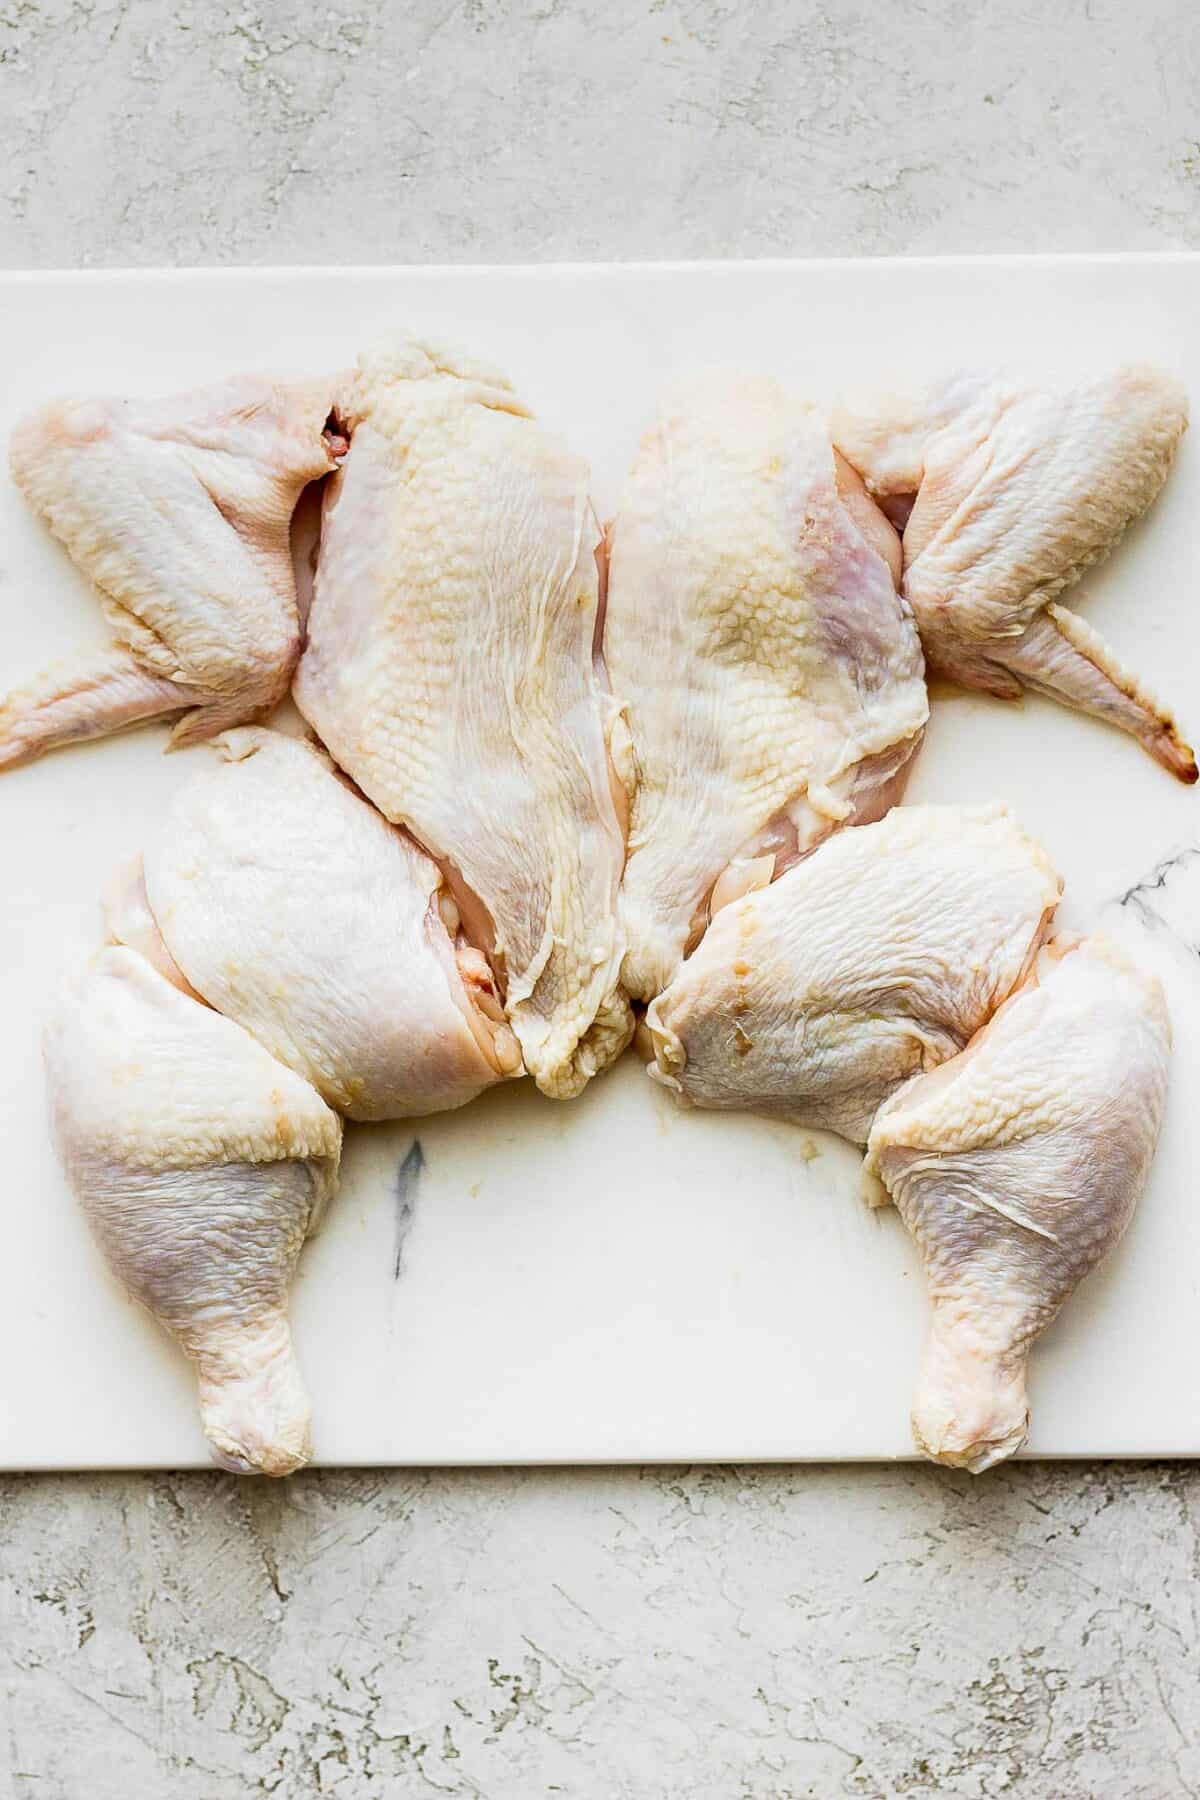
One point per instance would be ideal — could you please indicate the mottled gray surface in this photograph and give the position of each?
(697, 1634)
(670, 1633)
(139, 132)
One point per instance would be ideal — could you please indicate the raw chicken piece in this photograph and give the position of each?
(1014, 492)
(771, 676)
(450, 670)
(179, 511)
(285, 900)
(201, 1165)
(878, 957)
(1016, 1167)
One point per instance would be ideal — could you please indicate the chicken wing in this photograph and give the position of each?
(179, 511)
(1008, 494)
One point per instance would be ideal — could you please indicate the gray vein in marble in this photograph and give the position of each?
(1169, 896)
(406, 1189)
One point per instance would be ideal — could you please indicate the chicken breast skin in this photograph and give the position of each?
(770, 676)
(451, 669)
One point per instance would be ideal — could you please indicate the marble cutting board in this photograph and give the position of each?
(613, 1279)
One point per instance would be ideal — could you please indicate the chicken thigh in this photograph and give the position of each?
(201, 1165)
(1014, 492)
(771, 676)
(179, 511)
(282, 897)
(451, 671)
(1016, 1167)
(878, 957)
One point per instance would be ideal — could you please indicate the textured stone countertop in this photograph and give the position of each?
(700, 1632)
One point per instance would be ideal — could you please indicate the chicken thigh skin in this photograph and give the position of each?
(876, 958)
(285, 900)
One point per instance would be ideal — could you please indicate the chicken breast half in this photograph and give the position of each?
(1017, 1167)
(201, 1165)
(285, 900)
(179, 511)
(878, 957)
(451, 670)
(771, 676)
(1010, 492)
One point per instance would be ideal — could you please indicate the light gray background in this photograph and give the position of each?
(727, 1632)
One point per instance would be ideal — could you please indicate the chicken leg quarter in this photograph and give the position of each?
(1014, 492)
(179, 511)
(201, 1165)
(451, 671)
(1016, 1167)
(771, 676)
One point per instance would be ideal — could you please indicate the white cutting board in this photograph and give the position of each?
(610, 1279)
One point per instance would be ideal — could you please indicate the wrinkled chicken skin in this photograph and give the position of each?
(179, 511)
(201, 1165)
(450, 671)
(1016, 1167)
(284, 899)
(771, 677)
(876, 958)
(1010, 494)
(129, 921)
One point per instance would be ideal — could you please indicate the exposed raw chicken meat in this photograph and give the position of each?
(201, 1164)
(1016, 1167)
(771, 676)
(450, 670)
(285, 900)
(179, 511)
(878, 957)
(1014, 492)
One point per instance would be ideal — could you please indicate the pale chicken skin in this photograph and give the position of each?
(878, 957)
(201, 1165)
(277, 893)
(1010, 493)
(771, 677)
(1016, 1167)
(451, 671)
(179, 511)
